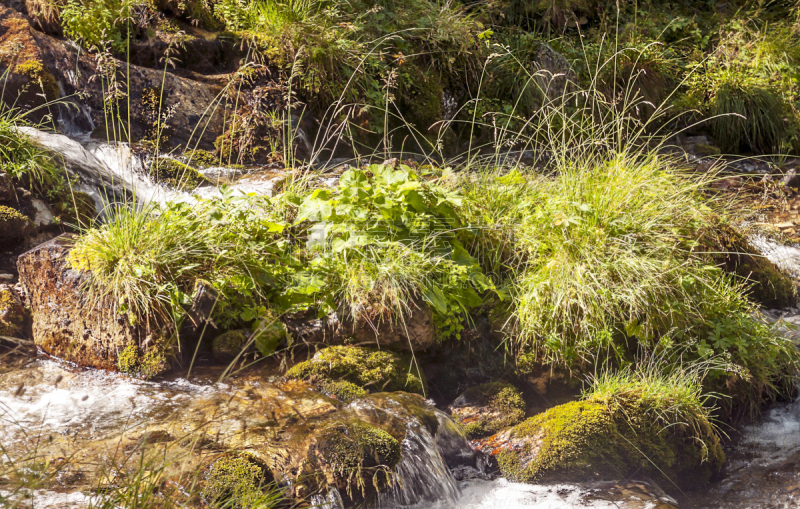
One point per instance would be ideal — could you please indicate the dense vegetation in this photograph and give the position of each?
(599, 259)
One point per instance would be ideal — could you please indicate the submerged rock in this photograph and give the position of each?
(488, 409)
(590, 440)
(342, 370)
(69, 325)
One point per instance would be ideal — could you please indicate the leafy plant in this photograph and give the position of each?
(385, 238)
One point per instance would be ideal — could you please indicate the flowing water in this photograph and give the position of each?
(62, 411)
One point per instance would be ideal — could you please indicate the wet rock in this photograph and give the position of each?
(553, 74)
(6, 188)
(68, 325)
(228, 345)
(770, 286)
(413, 332)
(487, 409)
(594, 440)
(374, 370)
(43, 215)
(13, 224)
(74, 70)
(14, 318)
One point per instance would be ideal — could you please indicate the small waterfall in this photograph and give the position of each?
(422, 474)
(332, 500)
(74, 119)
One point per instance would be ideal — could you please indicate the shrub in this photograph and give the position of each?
(94, 23)
(148, 261)
(385, 237)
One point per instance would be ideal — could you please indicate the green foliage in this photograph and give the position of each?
(94, 23)
(386, 237)
(148, 261)
(25, 161)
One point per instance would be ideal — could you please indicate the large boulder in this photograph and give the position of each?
(68, 324)
(592, 439)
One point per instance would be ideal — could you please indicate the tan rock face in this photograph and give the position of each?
(65, 324)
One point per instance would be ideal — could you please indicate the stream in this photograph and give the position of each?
(55, 409)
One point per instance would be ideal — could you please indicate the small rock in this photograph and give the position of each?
(43, 215)
(227, 346)
(13, 224)
(488, 409)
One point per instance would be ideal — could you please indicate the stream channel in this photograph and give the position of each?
(87, 410)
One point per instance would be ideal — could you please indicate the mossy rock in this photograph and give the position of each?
(75, 207)
(132, 361)
(588, 439)
(13, 315)
(236, 481)
(228, 345)
(176, 174)
(770, 286)
(37, 73)
(201, 158)
(374, 370)
(488, 408)
(357, 454)
(342, 390)
(13, 224)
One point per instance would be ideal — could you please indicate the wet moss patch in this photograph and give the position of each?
(177, 174)
(488, 408)
(236, 481)
(590, 439)
(374, 370)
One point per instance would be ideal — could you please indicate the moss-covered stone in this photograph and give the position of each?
(36, 72)
(375, 370)
(75, 207)
(176, 174)
(154, 360)
(201, 158)
(342, 390)
(13, 224)
(228, 345)
(236, 481)
(488, 408)
(589, 439)
(13, 315)
(770, 286)
(354, 452)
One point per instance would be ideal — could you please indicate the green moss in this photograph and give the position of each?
(355, 451)
(12, 315)
(343, 390)
(239, 480)
(227, 346)
(201, 158)
(703, 150)
(770, 287)
(154, 361)
(588, 439)
(176, 174)
(37, 73)
(128, 359)
(489, 408)
(377, 370)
